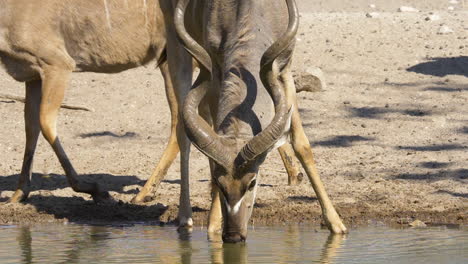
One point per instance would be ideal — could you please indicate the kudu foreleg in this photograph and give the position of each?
(185, 208)
(172, 147)
(32, 129)
(215, 217)
(301, 146)
(54, 82)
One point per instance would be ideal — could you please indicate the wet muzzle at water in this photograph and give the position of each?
(233, 237)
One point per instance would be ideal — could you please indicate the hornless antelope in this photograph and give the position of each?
(244, 51)
(42, 42)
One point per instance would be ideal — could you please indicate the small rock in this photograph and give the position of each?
(372, 15)
(372, 6)
(408, 9)
(450, 8)
(444, 29)
(433, 17)
(417, 223)
(311, 80)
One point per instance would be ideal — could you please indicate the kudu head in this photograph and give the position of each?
(235, 168)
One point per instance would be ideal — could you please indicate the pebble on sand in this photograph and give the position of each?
(407, 9)
(444, 29)
(373, 14)
(433, 17)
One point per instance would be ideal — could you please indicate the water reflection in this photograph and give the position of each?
(95, 239)
(185, 246)
(238, 253)
(24, 240)
(289, 244)
(330, 250)
(76, 244)
(227, 253)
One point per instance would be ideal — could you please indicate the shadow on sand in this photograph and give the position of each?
(52, 182)
(442, 67)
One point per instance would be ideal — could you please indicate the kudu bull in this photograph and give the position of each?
(42, 42)
(244, 51)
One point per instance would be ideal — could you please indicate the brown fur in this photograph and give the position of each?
(42, 42)
(79, 35)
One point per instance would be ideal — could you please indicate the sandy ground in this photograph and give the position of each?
(390, 132)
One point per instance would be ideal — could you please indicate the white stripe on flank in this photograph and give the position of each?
(145, 10)
(107, 14)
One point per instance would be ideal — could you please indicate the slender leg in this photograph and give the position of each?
(215, 220)
(215, 215)
(32, 127)
(290, 162)
(185, 208)
(302, 148)
(180, 68)
(54, 82)
(172, 148)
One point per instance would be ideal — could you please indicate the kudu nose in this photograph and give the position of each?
(233, 238)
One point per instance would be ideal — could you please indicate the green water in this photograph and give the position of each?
(282, 244)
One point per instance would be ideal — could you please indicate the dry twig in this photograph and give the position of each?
(66, 106)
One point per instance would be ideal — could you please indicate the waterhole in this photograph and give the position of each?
(139, 243)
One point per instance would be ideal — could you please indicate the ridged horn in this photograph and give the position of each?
(198, 130)
(269, 76)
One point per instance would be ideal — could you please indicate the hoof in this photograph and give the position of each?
(18, 196)
(339, 228)
(336, 226)
(186, 223)
(102, 198)
(215, 230)
(185, 233)
(185, 229)
(141, 199)
(333, 222)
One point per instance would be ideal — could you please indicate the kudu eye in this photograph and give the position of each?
(252, 184)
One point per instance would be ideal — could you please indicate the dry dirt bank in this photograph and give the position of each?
(390, 132)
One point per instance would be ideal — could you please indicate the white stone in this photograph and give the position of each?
(373, 14)
(372, 6)
(444, 29)
(407, 9)
(451, 8)
(433, 17)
